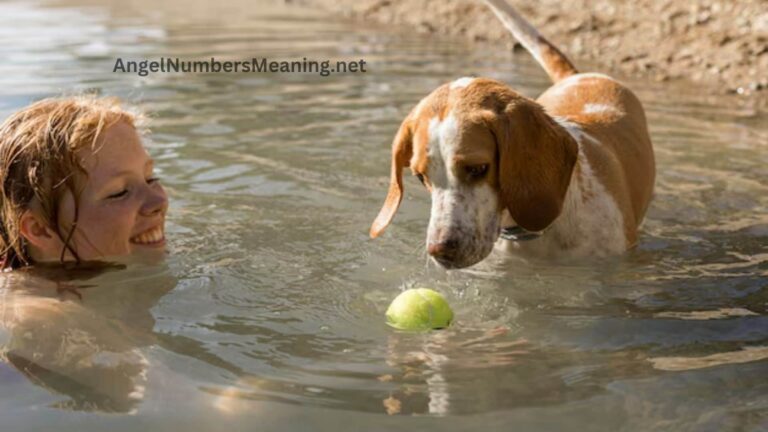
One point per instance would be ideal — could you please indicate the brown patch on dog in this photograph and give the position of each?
(536, 160)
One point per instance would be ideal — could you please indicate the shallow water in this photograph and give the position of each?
(269, 312)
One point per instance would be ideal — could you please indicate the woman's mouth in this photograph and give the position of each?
(150, 237)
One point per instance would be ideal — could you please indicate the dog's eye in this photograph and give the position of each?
(477, 171)
(421, 178)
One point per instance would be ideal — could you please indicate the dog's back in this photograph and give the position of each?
(607, 115)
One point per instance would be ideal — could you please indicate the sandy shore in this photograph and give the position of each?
(722, 45)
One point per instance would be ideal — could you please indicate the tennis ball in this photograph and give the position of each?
(419, 309)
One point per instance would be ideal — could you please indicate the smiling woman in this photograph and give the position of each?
(76, 184)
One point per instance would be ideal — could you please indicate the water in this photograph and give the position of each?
(269, 312)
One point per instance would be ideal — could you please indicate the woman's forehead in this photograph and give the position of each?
(119, 148)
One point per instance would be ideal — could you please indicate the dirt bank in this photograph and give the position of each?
(721, 44)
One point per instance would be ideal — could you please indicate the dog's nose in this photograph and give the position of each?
(444, 248)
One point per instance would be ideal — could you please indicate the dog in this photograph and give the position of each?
(568, 174)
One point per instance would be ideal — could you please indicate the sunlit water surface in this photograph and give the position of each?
(269, 311)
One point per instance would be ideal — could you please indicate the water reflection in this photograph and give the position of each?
(81, 334)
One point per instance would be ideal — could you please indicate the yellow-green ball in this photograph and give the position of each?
(419, 309)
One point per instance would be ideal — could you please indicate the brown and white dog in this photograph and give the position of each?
(575, 166)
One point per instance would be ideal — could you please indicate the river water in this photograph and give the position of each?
(268, 313)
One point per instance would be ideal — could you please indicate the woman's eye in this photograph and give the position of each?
(120, 194)
(421, 178)
(477, 171)
(153, 180)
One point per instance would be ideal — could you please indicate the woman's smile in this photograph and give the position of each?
(154, 237)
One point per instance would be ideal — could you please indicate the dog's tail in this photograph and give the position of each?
(555, 63)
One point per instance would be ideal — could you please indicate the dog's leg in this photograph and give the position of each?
(555, 63)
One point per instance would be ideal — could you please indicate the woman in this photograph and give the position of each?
(76, 184)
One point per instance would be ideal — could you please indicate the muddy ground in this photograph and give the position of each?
(722, 45)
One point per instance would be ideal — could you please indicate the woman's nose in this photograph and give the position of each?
(155, 202)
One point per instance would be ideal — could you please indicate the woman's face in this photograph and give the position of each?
(121, 210)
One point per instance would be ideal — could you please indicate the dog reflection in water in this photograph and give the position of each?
(424, 371)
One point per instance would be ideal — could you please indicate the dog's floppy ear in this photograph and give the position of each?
(402, 150)
(536, 159)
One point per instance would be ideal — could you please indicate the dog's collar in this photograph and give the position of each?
(518, 233)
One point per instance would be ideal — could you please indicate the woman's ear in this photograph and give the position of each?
(402, 151)
(536, 159)
(43, 243)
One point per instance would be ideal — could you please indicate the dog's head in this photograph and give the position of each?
(479, 148)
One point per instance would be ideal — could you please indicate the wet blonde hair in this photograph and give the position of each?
(38, 161)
